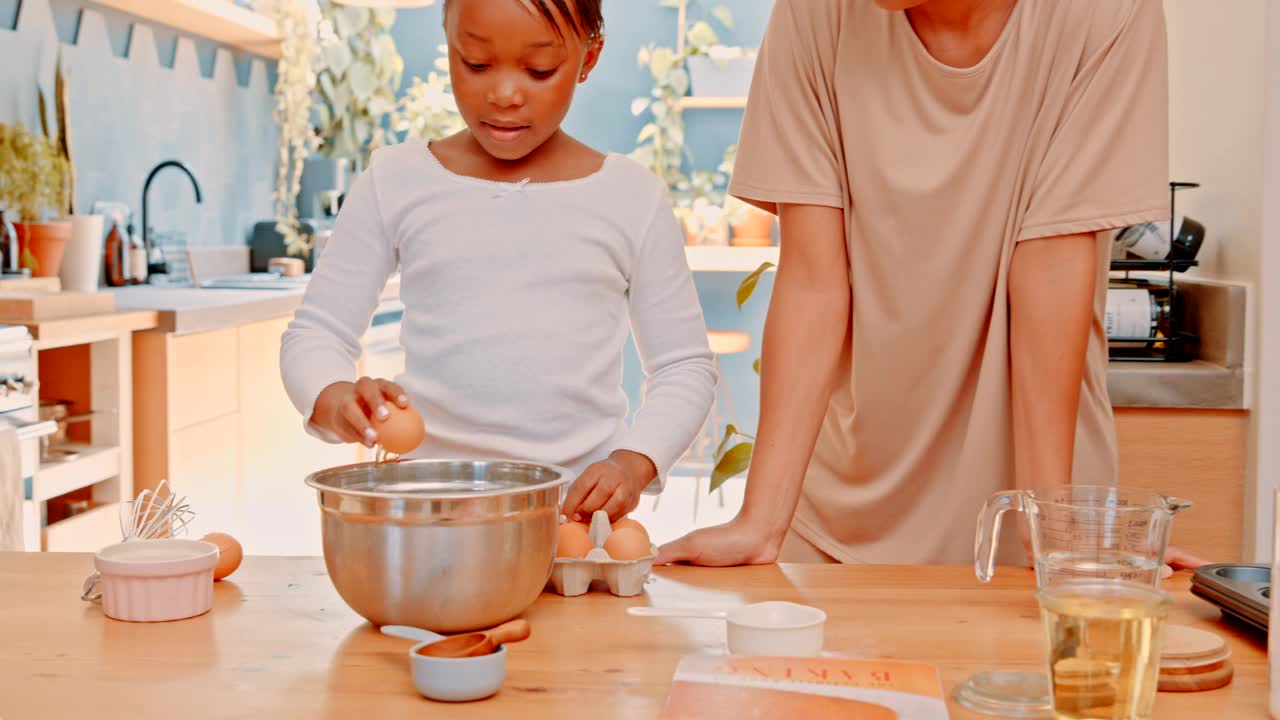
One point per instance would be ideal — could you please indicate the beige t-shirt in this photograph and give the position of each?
(941, 171)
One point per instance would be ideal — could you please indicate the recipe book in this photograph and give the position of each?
(760, 688)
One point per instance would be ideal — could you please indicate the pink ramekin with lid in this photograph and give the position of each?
(156, 580)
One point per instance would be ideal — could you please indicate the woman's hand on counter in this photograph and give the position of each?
(346, 409)
(735, 543)
(1175, 558)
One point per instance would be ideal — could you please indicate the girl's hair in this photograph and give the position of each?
(587, 22)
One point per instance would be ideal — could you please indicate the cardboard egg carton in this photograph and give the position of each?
(626, 578)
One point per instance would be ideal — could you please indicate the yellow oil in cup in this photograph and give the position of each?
(1104, 643)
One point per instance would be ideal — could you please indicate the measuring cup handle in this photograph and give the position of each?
(90, 592)
(709, 614)
(987, 541)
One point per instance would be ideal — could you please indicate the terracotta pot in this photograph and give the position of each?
(749, 241)
(40, 246)
(756, 229)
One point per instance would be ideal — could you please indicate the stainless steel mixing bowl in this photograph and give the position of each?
(444, 545)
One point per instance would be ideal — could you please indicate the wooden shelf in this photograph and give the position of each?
(220, 20)
(94, 465)
(708, 258)
(692, 102)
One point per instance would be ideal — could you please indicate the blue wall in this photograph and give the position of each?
(601, 117)
(140, 95)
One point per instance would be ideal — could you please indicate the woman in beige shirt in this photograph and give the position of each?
(944, 172)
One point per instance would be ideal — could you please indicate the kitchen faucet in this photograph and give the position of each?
(146, 229)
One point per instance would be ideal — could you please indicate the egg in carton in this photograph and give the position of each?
(626, 578)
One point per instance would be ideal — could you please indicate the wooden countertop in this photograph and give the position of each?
(89, 328)
(280, 643)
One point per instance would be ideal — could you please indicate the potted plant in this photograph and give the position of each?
(33, 189)
(715, 69)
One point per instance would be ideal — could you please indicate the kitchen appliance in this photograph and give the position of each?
(19, 409)
(266, 243)
(445, 545)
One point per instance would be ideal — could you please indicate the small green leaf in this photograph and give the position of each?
(724, 15)
(734, 462)
(756, 366)
(748, 286)
(362, 80)
(729, 431)
(646, 132)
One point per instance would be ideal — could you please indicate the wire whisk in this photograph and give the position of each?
(152, 515)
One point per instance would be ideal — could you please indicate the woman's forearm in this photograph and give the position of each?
(1051, 303)
(804, 337)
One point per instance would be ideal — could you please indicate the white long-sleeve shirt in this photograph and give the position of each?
(518, 299)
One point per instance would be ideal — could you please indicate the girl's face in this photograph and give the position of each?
(513, 75)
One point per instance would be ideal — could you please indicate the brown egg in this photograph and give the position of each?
(629, 523)
(229, 554)
(627, 544)
(402, 432)
(573, 541)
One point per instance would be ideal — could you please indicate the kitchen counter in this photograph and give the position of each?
(1215, 311)
(186, 311)
(280, 643)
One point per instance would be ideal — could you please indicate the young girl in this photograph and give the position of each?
(522, 254)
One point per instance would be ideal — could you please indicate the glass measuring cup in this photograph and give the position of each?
(1084, 532)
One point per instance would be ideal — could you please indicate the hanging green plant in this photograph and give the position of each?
(295, 79)
(358, 80)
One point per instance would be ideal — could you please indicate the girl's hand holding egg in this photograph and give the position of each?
(370, 411)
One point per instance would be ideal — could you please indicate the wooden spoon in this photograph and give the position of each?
(478, 643)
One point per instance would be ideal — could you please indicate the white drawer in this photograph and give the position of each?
(89, 531)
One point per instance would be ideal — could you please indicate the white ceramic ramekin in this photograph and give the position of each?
(156, 580)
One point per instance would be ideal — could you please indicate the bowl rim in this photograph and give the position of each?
(564, 478)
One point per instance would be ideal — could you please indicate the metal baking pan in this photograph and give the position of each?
(1241, 590)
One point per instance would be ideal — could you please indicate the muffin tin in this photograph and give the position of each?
(625, 578)
(1240, 590)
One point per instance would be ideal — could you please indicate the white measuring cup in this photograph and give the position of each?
(451, 679)
(770, 629)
